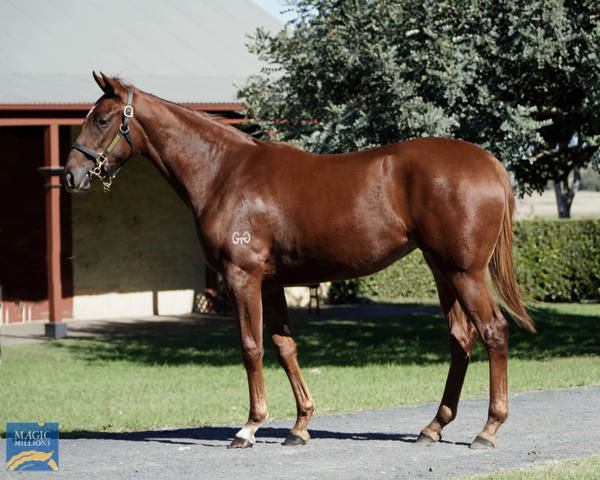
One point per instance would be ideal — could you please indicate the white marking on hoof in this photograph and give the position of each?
(247, 433)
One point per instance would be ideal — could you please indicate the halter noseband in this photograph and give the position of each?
(101, 169)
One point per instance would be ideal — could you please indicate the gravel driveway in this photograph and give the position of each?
(363, 445)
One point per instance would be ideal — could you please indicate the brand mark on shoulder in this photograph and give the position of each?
(241, 238)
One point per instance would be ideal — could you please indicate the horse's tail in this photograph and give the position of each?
(501, 264)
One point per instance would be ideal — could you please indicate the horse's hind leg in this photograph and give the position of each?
(492, 328)
(462, 336)
(276, 317)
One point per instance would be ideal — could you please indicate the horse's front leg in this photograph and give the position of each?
(245, 292)
(277, 321)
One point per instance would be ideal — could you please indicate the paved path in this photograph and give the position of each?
(365, 445)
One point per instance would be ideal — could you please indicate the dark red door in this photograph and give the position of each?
(23, 274)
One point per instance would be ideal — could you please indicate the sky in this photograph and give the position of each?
(274, 7)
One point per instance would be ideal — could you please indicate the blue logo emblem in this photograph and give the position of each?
(31, 446)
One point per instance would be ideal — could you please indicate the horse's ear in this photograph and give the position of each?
(107, 84)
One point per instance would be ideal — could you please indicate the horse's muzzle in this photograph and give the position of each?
(77, 180)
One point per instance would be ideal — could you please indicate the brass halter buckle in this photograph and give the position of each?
(97, 172)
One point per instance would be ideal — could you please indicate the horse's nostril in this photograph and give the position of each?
(69, 180)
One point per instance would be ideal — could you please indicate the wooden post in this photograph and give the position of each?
(56, 327)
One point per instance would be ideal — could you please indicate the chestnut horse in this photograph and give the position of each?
(269, 215)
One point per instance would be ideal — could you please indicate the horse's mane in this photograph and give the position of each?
(214, 119)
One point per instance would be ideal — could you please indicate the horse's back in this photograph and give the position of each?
(414, 177)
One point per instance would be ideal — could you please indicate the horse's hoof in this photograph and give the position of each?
(426, 439)
(292, 440)
(481, 443)
(239, 442)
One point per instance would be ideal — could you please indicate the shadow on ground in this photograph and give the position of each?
(192, 436)
(347, 336)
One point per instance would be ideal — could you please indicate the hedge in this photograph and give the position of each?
(555, 261)
(558, 261)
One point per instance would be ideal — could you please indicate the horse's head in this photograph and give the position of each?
(99, 150)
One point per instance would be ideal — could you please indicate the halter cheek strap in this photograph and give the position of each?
(101, 169)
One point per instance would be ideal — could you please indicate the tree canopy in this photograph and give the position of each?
(521, 78)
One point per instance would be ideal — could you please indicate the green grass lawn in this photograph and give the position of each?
(572, 469)
(148, 382)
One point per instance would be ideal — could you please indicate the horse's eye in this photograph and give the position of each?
(101, 121)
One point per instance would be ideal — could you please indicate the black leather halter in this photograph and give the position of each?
(102, 170)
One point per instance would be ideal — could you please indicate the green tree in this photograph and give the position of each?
(519, 77)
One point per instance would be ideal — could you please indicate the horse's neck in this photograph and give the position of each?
(190, 149)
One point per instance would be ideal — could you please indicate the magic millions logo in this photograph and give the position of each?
(31, 446)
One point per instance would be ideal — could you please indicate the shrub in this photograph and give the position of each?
(344, 291)
(408, 278)
(558, 260)
(555, 260)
